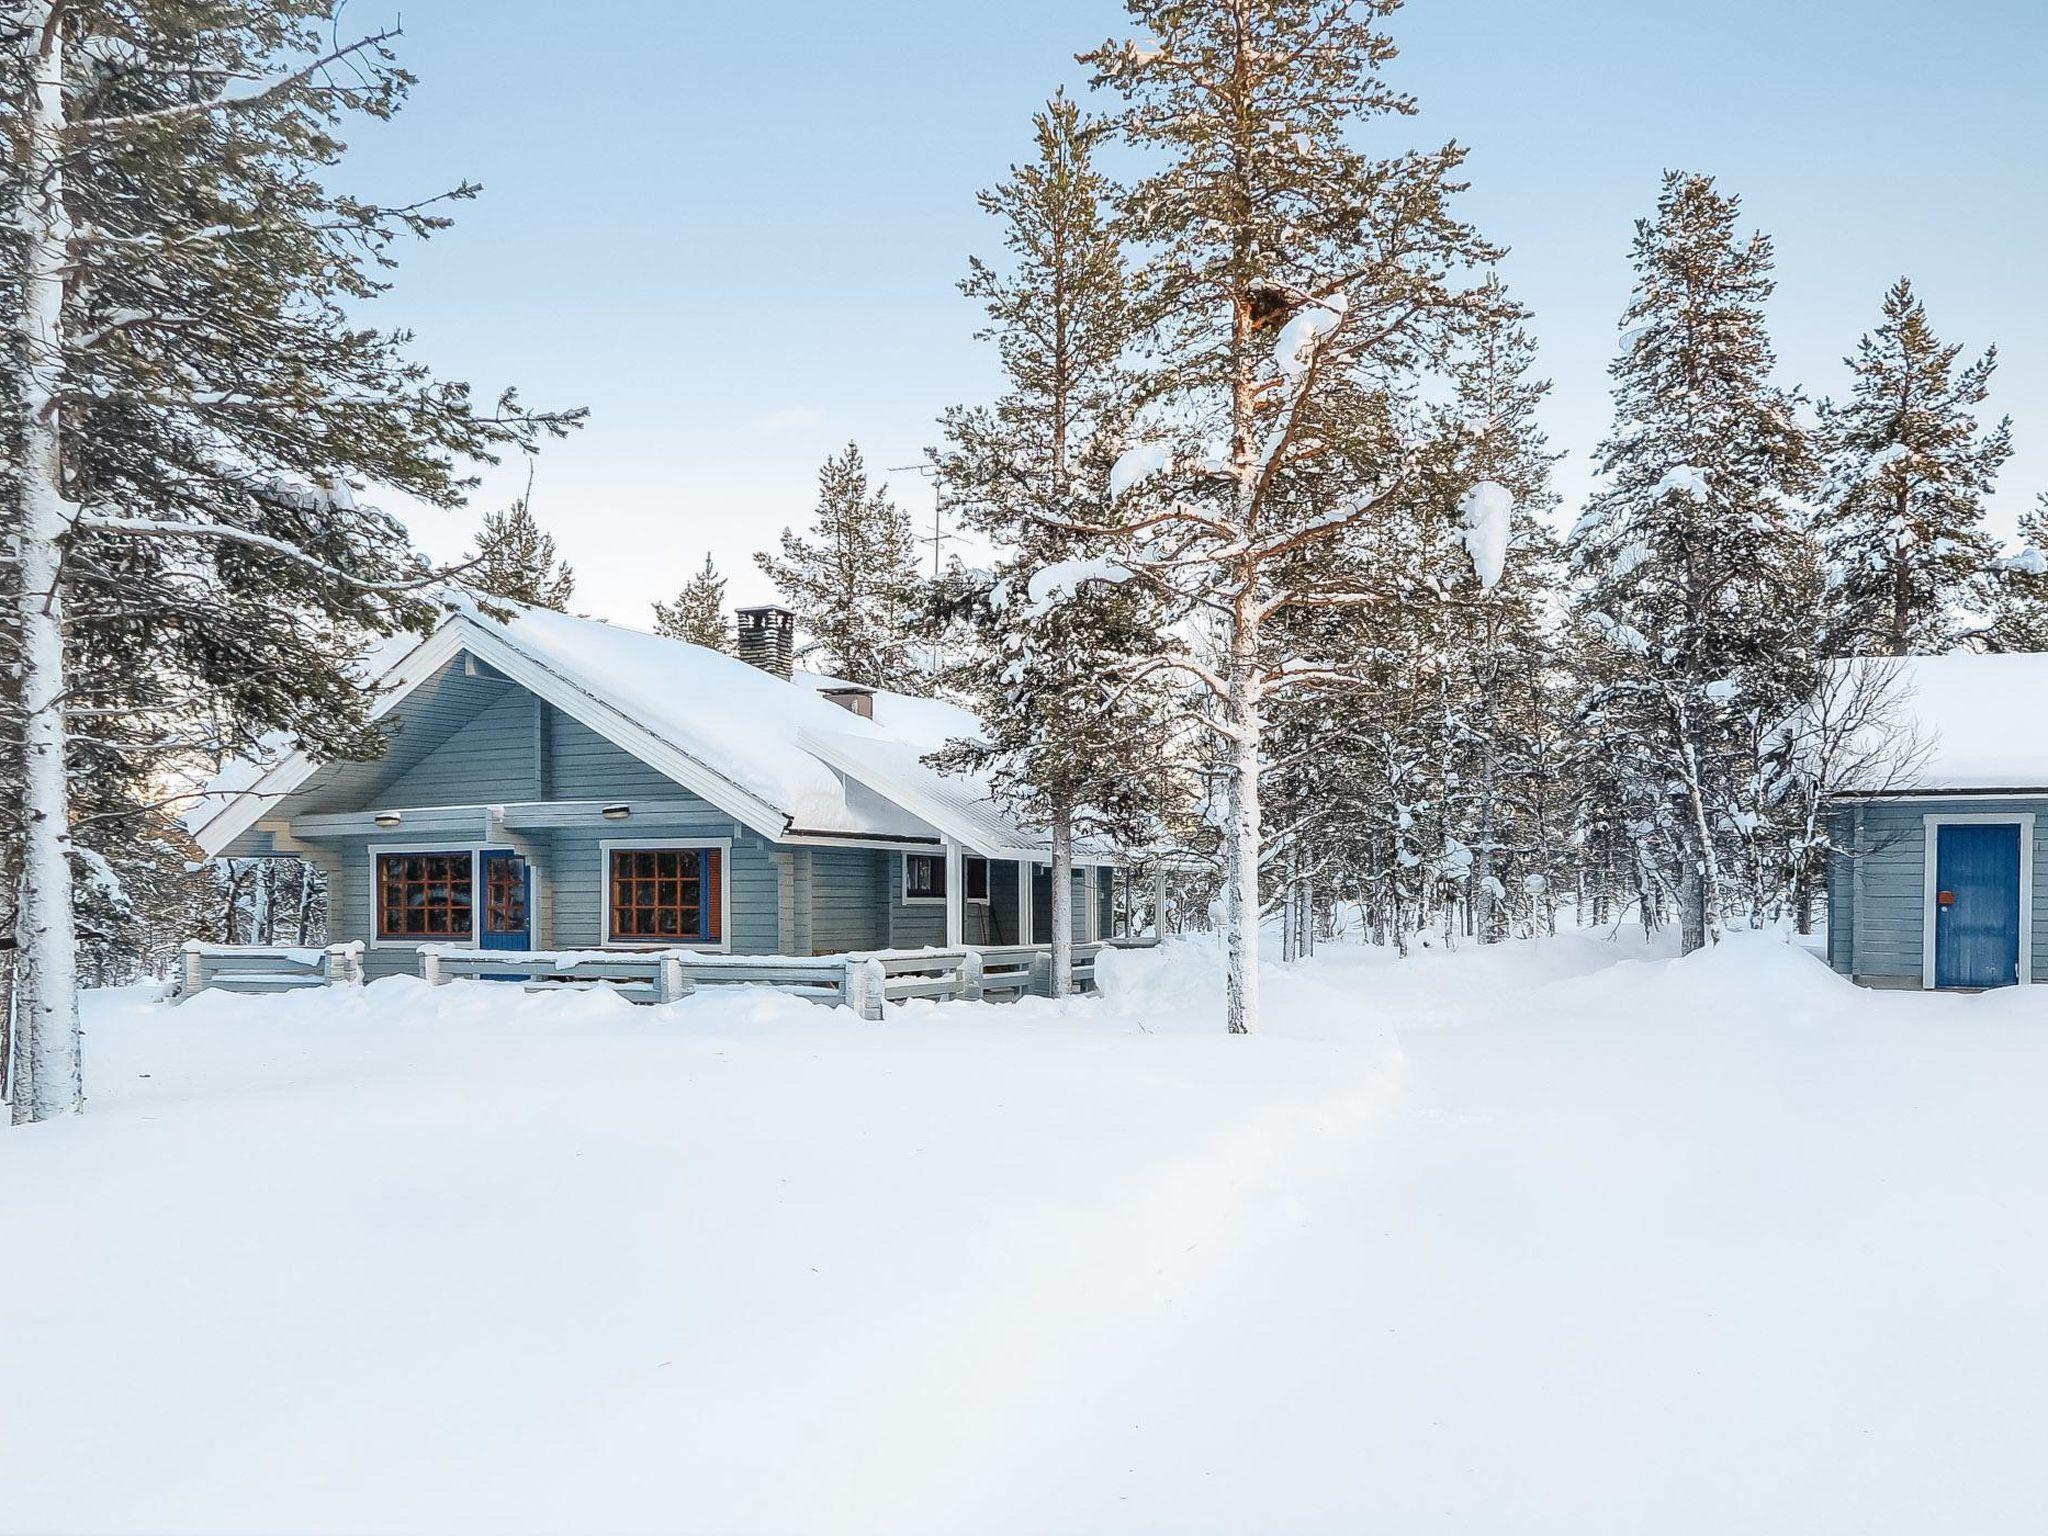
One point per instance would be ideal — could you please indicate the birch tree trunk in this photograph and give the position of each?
(48, 1076)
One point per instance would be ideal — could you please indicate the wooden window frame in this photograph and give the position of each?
(380, 852)
(489, 904)
(938, 860)
(721, 846)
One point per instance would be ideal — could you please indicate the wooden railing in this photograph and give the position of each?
(256, 968)
(866, 983)
(645, 976)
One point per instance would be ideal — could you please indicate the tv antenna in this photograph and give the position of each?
(939, 538)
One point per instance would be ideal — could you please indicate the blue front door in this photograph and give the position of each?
(1977, 905)
(508, 902)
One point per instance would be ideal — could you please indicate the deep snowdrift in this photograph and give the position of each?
(1552, 1237)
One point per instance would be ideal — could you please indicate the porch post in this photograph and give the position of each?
(1024, 901)
(956, 896)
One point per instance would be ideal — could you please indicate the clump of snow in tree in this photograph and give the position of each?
(1626, 636)
(1885, 458)
(1685, 478)
(1139, 463)
(2028, 562)
(1721, 691)
(1487, 516)
(1054, 584)
(1296, 344)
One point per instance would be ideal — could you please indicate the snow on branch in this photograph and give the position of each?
(151, 528)
(1136, 464)
(268, 90)
(1054, 584)
(1683, 478)
(1295, 347)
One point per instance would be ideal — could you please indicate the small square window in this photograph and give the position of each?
(924, 877)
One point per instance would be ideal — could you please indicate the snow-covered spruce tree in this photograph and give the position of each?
(854, 584)
(2018, 618)
(1499, 697)
(1067, 744)
(1907, 468)
(189, 402)
(515, 560)
(1692, 554)
(1291, 280)
(698, 613)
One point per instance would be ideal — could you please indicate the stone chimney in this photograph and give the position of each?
(768, 638)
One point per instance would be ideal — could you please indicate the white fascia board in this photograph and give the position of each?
(624, 732)
(459, 633)
(243, 809)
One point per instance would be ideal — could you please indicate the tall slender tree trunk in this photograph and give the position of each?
(1483, 903)
(48, 1073)
(1062, 901)
(1241, 842)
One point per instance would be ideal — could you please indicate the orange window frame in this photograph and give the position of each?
(665, 895)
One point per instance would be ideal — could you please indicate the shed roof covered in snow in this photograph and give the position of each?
(1964, 724)
(777, 755)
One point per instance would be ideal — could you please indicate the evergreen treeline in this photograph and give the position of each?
(1282, 591)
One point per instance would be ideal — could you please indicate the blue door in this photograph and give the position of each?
(508, 902)
(1977, 905)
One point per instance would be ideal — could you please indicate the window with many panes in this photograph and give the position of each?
(504, 895)
(663, 895)
(425, 895)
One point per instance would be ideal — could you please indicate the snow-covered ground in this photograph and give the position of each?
(1551, 1238)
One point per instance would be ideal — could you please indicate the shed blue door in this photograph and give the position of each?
(508, 902)
(1977, 905)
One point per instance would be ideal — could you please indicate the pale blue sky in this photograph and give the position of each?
(733, 230)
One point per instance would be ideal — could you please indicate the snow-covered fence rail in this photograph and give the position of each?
(262, 968)
(644, 976)
(647, 976)
(862, 982)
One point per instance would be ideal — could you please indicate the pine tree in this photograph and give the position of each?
(191, 398)
(1066, 744)
(1908, 467)
(698, 613)
(1691, 554)
(1296, 286)
(854, 585)
(1502, 711)
(515, 560)
(2019, 591)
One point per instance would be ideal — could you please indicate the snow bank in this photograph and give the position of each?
(1555, 1237)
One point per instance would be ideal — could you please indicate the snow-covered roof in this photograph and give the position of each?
(775, 754)
(1967, 723)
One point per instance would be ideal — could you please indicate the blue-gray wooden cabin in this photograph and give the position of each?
(1940, 876)
(555, 783)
